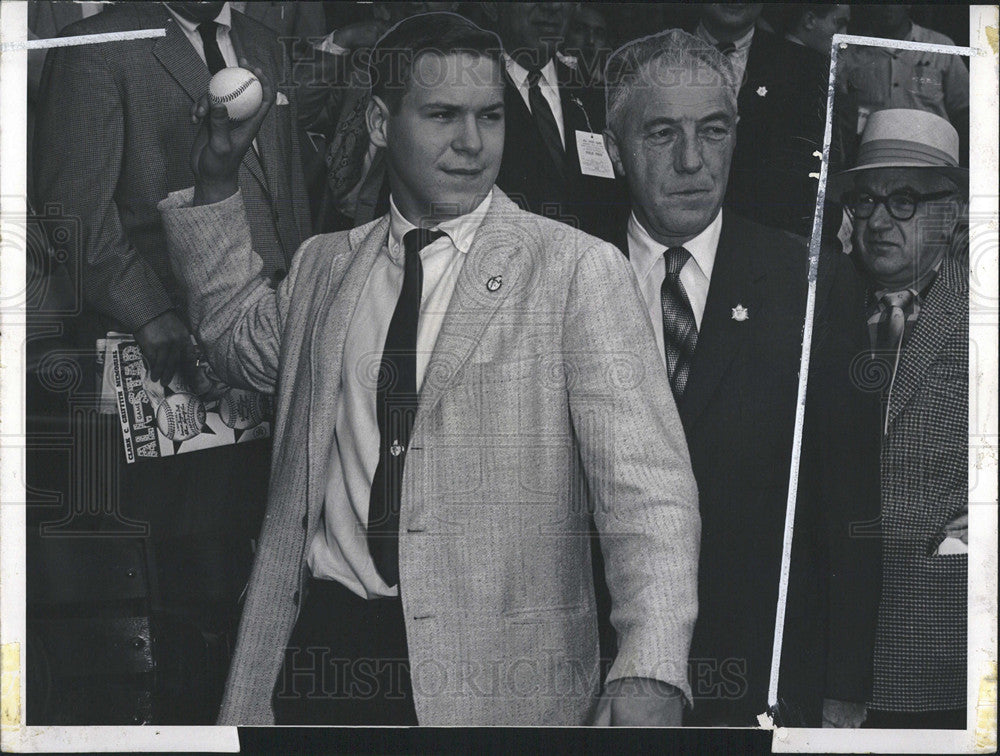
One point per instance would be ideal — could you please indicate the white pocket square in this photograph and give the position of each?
(281, 99)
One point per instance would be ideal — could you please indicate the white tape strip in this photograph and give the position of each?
(83, 39)
(902, 44)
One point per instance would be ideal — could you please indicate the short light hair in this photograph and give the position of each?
(674, 49)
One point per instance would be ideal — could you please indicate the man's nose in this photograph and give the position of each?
(468, 138)
(687, 155)
(880, 217)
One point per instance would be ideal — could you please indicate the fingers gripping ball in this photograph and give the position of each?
(237, 89)
(181, 416)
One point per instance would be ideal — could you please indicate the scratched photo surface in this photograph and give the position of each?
(527, 364)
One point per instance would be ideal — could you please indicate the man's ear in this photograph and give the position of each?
(611, 145)
(808, 20)
(377, 120)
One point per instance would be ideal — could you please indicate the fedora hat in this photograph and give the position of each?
(904, 138)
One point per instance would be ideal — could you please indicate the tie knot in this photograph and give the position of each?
(900, 299)
(534, 76)
(416, 239)
(207, 29)
(726, 47)
(676, 258)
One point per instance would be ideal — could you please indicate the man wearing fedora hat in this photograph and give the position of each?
(907, 200)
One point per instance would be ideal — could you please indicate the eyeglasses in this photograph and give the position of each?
(901, 205)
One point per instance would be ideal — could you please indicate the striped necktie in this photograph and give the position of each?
(888, 325)
(680, 333)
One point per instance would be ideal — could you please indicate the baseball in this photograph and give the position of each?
(181, 416)
(241, 409)
(237, 89)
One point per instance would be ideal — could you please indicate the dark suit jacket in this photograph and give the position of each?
(530, 176)
(920, 653)
(114, 136)
(739, 412)
(782, 106)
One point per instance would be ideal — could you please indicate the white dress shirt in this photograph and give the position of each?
(646, 256)
(225, 22)
(737, 57)
(339, 550)
(548, 84)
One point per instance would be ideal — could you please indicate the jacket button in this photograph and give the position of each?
(295, 598)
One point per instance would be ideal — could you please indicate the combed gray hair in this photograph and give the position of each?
(674, 49)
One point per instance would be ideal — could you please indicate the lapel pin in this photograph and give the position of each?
(762, 91)
(494, 283)
(396, 449)
(740, 313)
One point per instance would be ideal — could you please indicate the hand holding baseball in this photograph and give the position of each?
(221, 143)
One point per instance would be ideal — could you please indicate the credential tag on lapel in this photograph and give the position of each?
(594, 160)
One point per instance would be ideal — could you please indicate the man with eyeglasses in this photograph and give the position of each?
(907, 199)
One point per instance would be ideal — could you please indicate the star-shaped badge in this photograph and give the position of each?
(762, 91)
(740, 313)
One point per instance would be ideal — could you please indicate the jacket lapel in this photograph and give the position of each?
(721, 338)
(329, 334)
(497, 254)
(939, 317)
(175, 53)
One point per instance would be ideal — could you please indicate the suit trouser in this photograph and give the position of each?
(920, 720)
(346, 663)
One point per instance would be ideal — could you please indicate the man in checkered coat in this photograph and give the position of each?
(907, 198)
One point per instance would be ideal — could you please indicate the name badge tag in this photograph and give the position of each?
(594, 160)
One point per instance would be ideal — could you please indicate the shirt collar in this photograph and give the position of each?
(519, 73)
(645, 251)
(741, 44)
(919, 294)
(224, 19)
(461, 230)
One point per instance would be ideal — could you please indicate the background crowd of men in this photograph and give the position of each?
(710, 194)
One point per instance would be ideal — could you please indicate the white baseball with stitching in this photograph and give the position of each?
(238, 89)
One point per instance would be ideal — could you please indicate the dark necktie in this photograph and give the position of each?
(726, 48)
(396, 408)
(680, 334)
(213, 55)
(544, 119)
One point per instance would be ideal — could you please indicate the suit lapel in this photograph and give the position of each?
(329, 334)
(939, 317)
(496, 255)
(721, 338)
(175, 53)
(524, 122)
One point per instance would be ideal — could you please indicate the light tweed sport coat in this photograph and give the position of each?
(542, 395)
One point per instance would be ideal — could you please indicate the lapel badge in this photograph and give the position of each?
(762, 91)
(494, 283)
(396, 449)
(740, 313)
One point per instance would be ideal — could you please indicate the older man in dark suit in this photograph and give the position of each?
(727, 299)
(907, 199)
